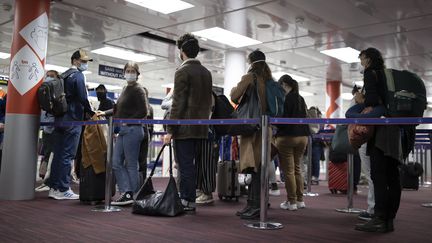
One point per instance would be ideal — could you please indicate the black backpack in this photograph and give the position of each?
(406, 96)
(51, 95)
(222, 110)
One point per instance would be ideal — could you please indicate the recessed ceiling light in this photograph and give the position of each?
(346, 54)
(347, 96)
(57, 68)
(4, 55)
(226, 37)
(359, 83)
(305, 94)
(163, 6)
(298, 78)
(123, 54)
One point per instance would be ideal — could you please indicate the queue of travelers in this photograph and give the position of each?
(191, 98)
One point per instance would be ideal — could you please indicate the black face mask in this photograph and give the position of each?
(101, 95)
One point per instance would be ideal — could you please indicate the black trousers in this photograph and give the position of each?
(387, 187)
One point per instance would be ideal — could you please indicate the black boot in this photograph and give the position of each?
(245, 209)
(253, 198)
(253, 213)
(375, 225)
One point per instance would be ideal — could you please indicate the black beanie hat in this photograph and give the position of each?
(256, 55)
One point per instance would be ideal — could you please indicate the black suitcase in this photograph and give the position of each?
(409, 175)
(227, 180)
(92, 186)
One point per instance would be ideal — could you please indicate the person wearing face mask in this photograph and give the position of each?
(105, 103)
(192, 99)
(47, 137)
(291, 142)
(250, 145)
(132, 104)
(67, 137)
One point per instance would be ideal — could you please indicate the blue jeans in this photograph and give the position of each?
(355, 111)
(125, 158)
(66, 140)
(185, 152)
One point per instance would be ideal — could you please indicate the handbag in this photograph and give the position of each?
(249, 108)
(340, 142)
(157, 203)
(359, 134)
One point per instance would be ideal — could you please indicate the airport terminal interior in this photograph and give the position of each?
(316, 42)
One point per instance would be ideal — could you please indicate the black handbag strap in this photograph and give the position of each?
(158, 158)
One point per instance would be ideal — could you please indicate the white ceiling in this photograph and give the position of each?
(298, 31)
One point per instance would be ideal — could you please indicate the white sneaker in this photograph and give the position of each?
(287, 206)
(42, 188)
(67, 195)
(274, 192)
(205, 199)
(301, 205)
(51, 192)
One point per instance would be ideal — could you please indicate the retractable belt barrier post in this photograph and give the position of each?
(350, 208)
(309, 169)
(429, 205)
(108, 174)
(422, 160)
(265, 158)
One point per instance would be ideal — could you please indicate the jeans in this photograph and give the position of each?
(317, 150)
(385, 176)
(366, 168)
(65, 148)
(185, 154)
(125, 158)
(355, 111)
(291, 150)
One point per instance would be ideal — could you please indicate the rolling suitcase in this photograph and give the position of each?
(92, 186)
(338, 177)
(227, 180)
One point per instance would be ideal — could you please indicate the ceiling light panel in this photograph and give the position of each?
(346, 54)
(306, 94)
(4, 55)
(163, 6)
(57, 68)
(226, 37)
(123, 54)
(298, 78)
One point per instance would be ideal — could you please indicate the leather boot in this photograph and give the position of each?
(254, 198)
(253, 213)
(245, 209)
(375, 225)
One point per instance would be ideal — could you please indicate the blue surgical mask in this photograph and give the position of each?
(83, 67)
(48, 79)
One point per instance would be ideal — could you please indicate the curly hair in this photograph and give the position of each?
(189, 45)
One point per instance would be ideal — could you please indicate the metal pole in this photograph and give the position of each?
(309, 168)
(422, 164)
(108, 174)
(265, 158)
(429, 205)
(350, 208)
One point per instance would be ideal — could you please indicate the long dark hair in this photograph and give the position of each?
(261, 69)
(375, 57)
(290, 82)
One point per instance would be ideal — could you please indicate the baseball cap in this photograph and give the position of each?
(81, 54)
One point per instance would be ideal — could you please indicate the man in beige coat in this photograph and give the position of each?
(192, 99)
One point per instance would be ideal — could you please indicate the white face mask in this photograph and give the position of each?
(130, 77)
(83, 67)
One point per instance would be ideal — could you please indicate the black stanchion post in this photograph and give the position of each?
(309, 170)
(265, 158)
(108, 174)
(350, 208)
(422, 155)
(429, 205)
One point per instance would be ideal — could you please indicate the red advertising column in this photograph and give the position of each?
(28, 52)
(333, 90)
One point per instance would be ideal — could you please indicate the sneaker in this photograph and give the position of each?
(66, 195)
(301, 205)
(188, 206)
(125, 199)
(199, 193)
(274, 190)
(205, 199)
(42, 188)
(287, 206)
(365, 216)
